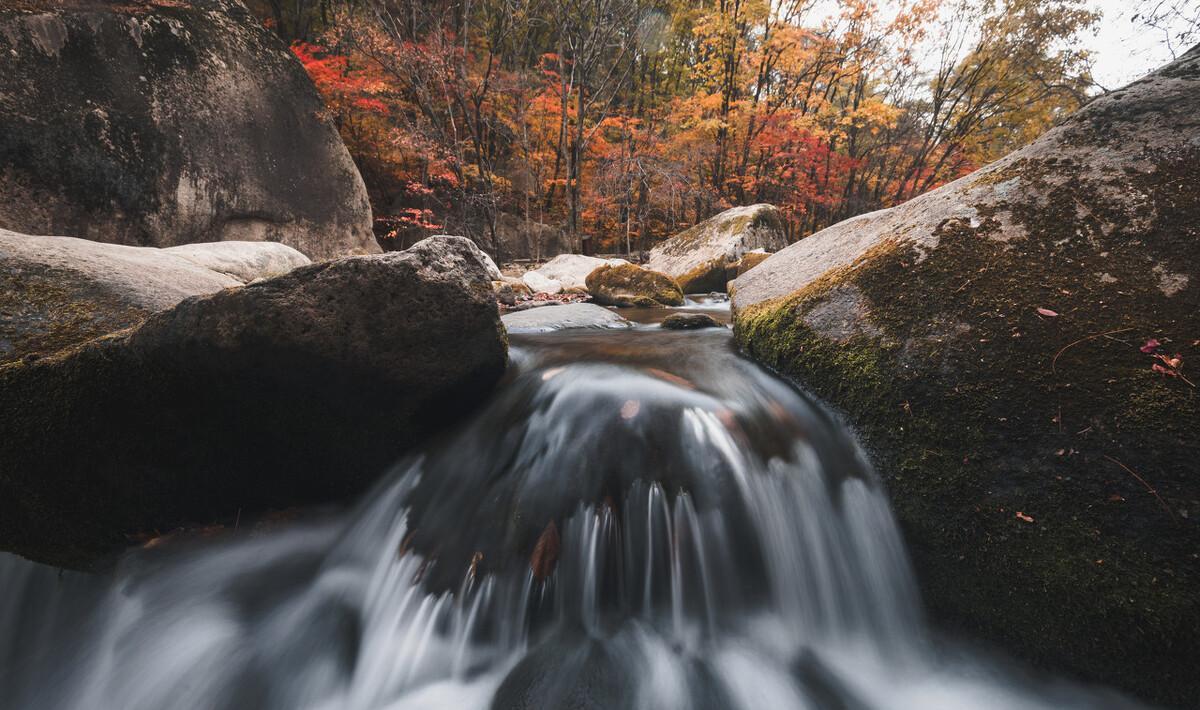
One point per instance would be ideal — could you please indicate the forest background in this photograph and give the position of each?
(621, 122)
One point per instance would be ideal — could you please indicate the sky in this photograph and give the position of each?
(1122, 51)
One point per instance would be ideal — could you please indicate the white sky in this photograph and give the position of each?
(1122, 51)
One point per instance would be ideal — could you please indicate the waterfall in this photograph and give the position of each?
(636, 520)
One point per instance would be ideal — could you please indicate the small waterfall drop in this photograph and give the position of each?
(637, 519)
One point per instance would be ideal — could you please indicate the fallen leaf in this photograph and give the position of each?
(1164, 370)
(1150, 346)
(1023, 517)
(545, 553)
(1172, 362)
(1047, 312)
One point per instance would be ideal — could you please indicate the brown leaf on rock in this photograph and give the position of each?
(545, 553)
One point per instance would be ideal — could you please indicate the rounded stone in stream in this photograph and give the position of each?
(689, 321)
(572, 315)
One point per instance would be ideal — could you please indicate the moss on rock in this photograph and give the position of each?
(629, 285)
(1044, 474)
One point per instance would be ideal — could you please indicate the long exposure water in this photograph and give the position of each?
(637, 519)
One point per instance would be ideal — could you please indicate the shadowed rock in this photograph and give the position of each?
(295, 390)
(201, 127)
(1006, 345)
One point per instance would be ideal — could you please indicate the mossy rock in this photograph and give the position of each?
(629, 285)
(987, 342)
(701, 259)
(749, 261)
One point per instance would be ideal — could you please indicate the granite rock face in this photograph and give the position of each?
(201, 127)
(1015, 349)
(705, 257)
(60, 291)
(290, 391)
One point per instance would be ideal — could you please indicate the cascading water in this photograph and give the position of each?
(638, 519)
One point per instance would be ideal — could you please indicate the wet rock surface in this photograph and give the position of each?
(689, 321)
(1013, 348)
(251, 398)
(202, 127)
(561, 317)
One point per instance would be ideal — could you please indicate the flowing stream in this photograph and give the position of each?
(636, 519)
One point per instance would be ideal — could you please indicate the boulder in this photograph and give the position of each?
(244, 261)
(629, 285)
(538, 283)
(700, 258)
(488, 263)
(291, 391)
(750, 260)
(1016, 350)
(201, 127)
(689, 321)
(572, 315)
(59, 291)
(573, 269)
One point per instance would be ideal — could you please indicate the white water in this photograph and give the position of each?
(720, 545)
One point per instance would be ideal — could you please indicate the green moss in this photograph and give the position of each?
(976, 408)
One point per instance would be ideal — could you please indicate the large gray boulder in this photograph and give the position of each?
(1016, 349)
(702, 259)
(300, 389)
(59, 291)
(200, 127)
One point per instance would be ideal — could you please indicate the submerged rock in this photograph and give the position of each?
(300, 389)
(689, 321)
(701, 258)
(60, 291)
(556, 317)
(1012, 348)
(629, 285)
(201, 127)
